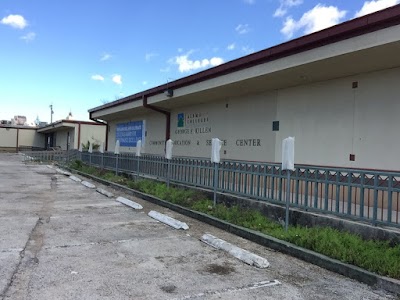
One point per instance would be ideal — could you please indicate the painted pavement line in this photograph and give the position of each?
(129, 203)
(241, 254)
(168, 220)
(247, 287)
(104, 192)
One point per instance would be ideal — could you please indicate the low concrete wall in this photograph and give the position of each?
(8, 149)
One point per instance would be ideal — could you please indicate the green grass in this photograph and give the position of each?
(375, 256)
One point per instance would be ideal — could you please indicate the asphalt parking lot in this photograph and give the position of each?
(62, 240)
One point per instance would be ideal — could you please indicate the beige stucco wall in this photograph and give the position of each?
(8, 137)
(377, 120)
(244, 124)
(93, 133)
(253, 138)
(29, 137)
(25, 137)
(330, 120)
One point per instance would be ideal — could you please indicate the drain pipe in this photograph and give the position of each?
(164, 112)
(104, 123)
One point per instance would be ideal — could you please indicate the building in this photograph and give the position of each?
(336, 91)
(13, 137)
(70, 134)
(63, 134)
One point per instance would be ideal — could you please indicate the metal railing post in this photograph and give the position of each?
(215, 182)
(116, 164)
(287, 199)
(375, 210)
(138, 166)
(168, 172)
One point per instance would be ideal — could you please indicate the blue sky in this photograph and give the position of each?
(77, 54)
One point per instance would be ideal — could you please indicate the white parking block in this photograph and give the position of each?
(129, 203)
(168, 220)
(244, 255)
(105, 193)
(63, 172)
(88, 184)
(74, 178)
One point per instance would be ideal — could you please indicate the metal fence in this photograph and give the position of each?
(371, 196)
(60, 156)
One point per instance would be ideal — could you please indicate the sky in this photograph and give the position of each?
(79, 54)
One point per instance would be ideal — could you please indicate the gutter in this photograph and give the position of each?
(162, 111)
(104, 123)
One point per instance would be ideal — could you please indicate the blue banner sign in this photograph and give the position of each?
(129, 133)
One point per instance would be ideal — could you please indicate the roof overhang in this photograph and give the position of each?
(64, 125)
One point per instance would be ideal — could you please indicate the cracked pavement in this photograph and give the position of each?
(61, 240)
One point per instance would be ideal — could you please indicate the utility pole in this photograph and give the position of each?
(51, 113)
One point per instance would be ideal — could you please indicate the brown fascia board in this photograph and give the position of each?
(49, 126)
(83, 122)
(18, 127)
(379, 20)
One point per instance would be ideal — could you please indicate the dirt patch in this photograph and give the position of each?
(219, 269)
(168, 288)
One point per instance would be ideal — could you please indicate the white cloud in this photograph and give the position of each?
(318, 18)
(216, 61)
(16, 21)
(29, 37)
(231, 46)
(242, 28)
(373, 6)
(185, 64)
(247, 50)
(105, 56)
(97, 77)
(285, 5)
(280, 12)
(149, 56)
(117, 79)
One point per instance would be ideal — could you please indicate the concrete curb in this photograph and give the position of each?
(74, 178)
(88, 184)
(129, 203)
(168, 220)
(58, 170)
(105, 193)
(241, 254)
(353, 272)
